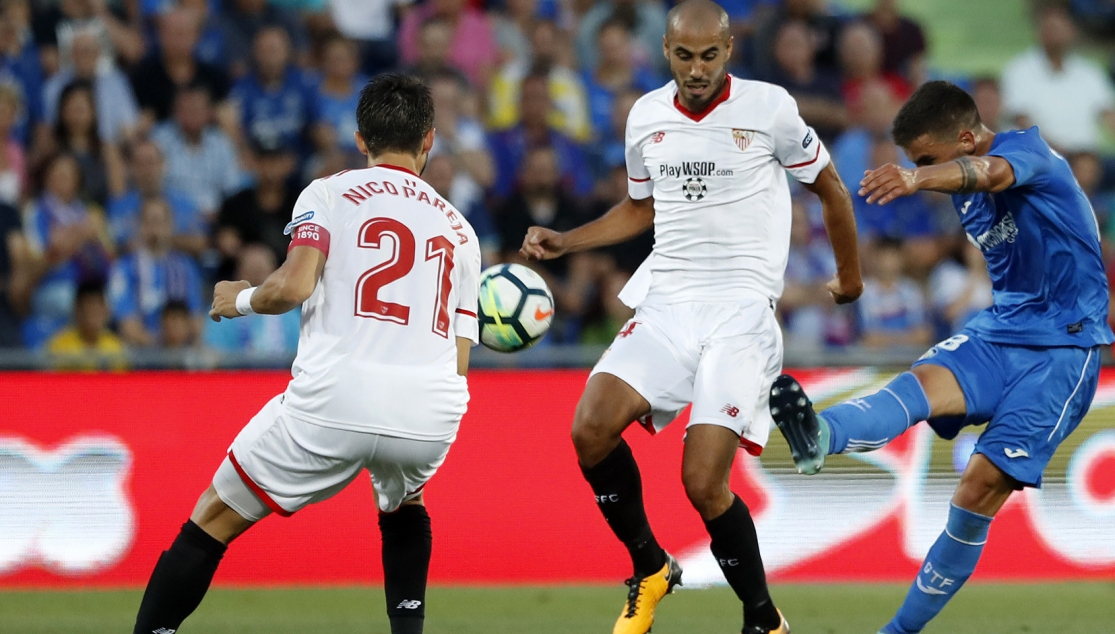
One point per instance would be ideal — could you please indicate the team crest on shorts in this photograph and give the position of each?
(694, 189)
(743, 138)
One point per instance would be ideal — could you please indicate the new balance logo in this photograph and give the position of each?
(628, 329)
(1016, 453)
(411, 604)
(730, 410)
(658, 136)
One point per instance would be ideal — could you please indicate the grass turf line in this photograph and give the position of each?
(1081, 608)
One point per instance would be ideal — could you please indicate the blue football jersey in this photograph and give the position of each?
(1042, 246)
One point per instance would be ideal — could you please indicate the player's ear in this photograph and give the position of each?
(428, 141)
(360, 145)
(967, 140)
(665, 48)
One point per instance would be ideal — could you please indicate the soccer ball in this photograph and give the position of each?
(516, 307)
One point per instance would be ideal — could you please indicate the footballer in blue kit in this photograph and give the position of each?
(1027, 366)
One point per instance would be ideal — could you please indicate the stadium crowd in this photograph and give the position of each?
(152, 147)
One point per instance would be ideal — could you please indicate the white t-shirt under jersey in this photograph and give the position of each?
(377, 350)
(721, 198)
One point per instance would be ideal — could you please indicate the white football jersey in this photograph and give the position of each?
(378, 347)
(721, 196)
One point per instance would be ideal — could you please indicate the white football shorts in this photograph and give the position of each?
(722, 357)
(280, 463)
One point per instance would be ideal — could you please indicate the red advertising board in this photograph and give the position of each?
(98, 471)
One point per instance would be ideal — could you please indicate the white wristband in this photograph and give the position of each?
(244, 301)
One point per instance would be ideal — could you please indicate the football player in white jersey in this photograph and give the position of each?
(707, 157)
(387, 274)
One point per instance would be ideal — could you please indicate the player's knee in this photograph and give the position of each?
(982, 491)
(592, 432)
(708, 493)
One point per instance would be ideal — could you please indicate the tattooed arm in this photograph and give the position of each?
(965, 175)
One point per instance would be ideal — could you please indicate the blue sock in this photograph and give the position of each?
(950, 562)
(866, 424)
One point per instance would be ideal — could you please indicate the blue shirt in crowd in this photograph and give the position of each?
(509, 151)
(276, 116)
(339, 113)
(140, 286)
(123, 215)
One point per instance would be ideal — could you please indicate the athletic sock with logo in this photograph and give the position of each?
(619, 494)
(407, 541)
(950, 562)
(180, 580)
(866, 424)
(736, 548)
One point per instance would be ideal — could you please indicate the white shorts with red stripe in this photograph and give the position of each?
(722, 357)
(281, 464)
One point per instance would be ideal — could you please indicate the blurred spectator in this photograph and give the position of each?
(13, 165)
(608, 151)
(178, 328)
(211, 36)
(959, 287)
(88, 344)
(372, 24)
(259, 214)
(441, 174)
(861, 58)
(989, 103)
(615, 73)
(435, 39)
(512, 30)
(805, 302)
(75, 132)
(116, 105)
(867, 146)
(175, 66)
(462, 138)
(16, 276)
(55, 26)
(20, 67)
(645, 21)
(569, 113)
(275, 100)
(244, 19)
(144, 281)
(903, 40)
(1064, 94)
(261, 334)
(200, 158)
(72, 242)
(892, 308)
(472, 48)
(1088, 169)
(816, 91)
(510, 147)
(336, 97)
(824, 28)
(147, 167)
(541, 200)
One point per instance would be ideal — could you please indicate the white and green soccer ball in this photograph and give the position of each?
(516, 307)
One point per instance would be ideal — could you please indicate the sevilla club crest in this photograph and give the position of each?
(743, 138)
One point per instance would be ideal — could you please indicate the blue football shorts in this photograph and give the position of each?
(1031, 398)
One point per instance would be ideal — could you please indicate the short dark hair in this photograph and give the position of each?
(394, 114)
(91, 287)
(938, 108)
(175, 306)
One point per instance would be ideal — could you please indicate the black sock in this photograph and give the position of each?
(179, 581)
(736, 548)
(619, 494)
(407, 542)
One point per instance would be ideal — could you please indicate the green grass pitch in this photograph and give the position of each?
(1079, 608)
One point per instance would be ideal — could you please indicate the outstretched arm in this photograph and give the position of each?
(840, 223)
(622, 222)
(965, 175)
(282, 291)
